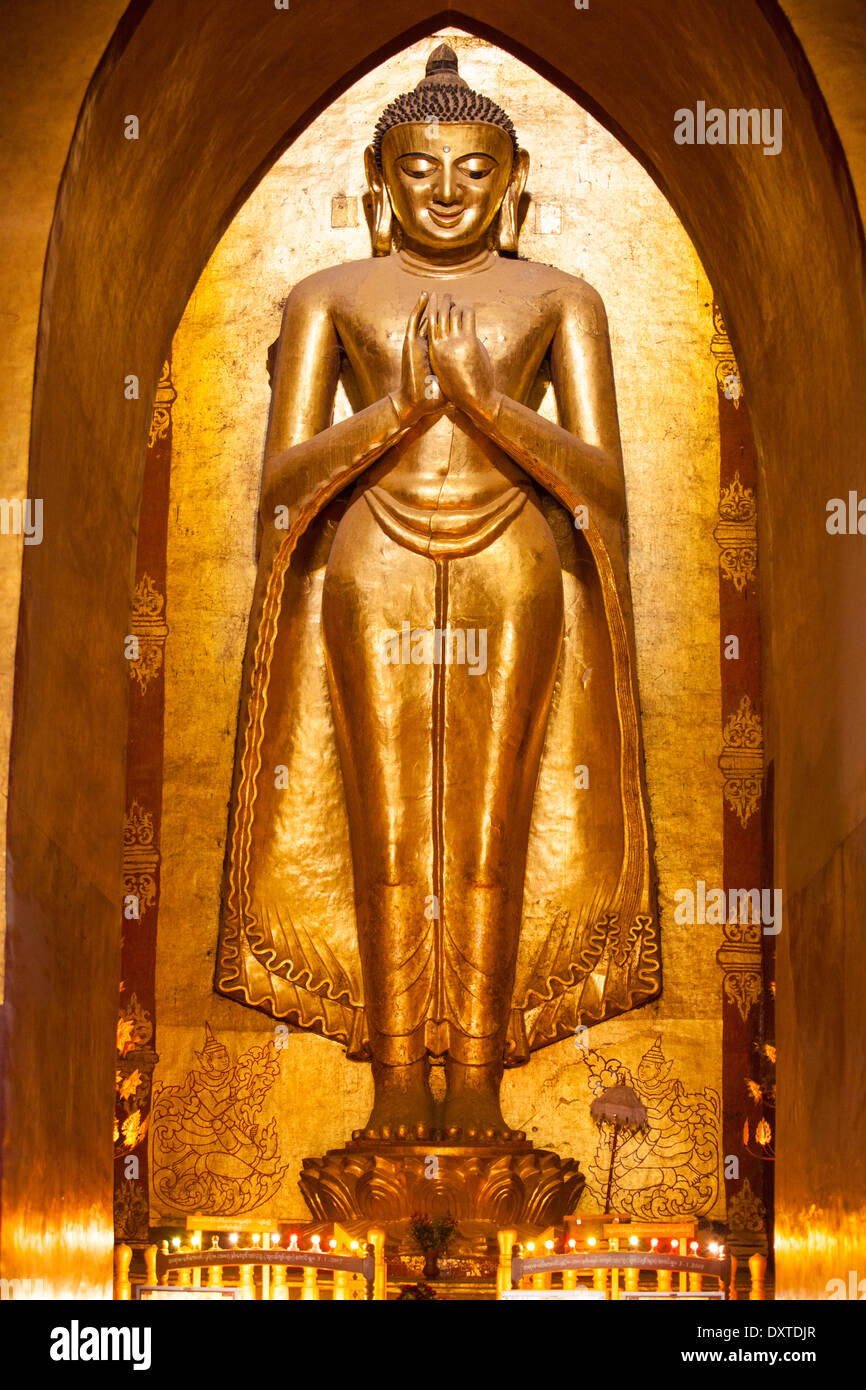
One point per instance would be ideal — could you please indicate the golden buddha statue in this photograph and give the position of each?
(439, 848)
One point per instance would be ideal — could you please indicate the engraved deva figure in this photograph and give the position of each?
(430, 862)
(209, 1151)
(669, 1167)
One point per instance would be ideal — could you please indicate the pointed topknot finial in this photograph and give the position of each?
(442, 69)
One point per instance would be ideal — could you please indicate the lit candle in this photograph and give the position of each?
(293, 1241)
(233, 1238)
(548, 1245)
(195, 1241)
(571, 1244)
(316, 1243)
(675, 1245)
(354, 1245)
(175, 1243)
(632, 1240)
(714, 1249)
(275, 1240)
(654, 1242)
(256, 1238)
(694, 1247)
(215, 1243)
(591, 1242)
(530, 1245)
(332, 1244)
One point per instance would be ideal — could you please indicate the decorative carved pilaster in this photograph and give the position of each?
(742, 761)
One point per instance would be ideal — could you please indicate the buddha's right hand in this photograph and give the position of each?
(419, 392)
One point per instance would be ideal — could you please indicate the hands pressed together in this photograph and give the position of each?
(444, 360)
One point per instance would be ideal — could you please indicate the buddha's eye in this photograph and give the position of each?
(417, 166)
(477, 166)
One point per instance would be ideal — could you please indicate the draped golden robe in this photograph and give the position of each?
(288, 942)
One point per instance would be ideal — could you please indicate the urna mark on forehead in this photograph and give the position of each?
(443, 97)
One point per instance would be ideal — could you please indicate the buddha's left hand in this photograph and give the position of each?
(460, 360)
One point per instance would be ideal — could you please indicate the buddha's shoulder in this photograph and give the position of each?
(534, 277)
(334, 281)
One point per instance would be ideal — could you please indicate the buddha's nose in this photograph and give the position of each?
(446, 189)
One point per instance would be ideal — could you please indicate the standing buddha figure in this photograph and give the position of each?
(439, 849)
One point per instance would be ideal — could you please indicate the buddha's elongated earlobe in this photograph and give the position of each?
(509, 212)
(381, 220)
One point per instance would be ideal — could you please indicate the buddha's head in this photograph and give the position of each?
(445, 167)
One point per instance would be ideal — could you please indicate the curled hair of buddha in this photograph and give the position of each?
(441, 95)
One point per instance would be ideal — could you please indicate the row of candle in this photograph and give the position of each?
(713, 1250)
(271, 1242)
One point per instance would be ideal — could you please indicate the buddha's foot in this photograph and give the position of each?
(471, 1110)
(403, 1110)
(476, 1118)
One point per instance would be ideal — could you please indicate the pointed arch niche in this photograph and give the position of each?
(220, 95)
(595, 212)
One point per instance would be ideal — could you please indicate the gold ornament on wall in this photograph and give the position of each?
(131, 1211)
(740, 959)
(134, 1027)
(149, 626)
(746, 1211)
(743, 988)
(133, 1076)
(742, 761)
(163, 402)
(727, 372)
(737, 534)
(140, 857)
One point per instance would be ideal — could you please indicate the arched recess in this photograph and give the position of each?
(219, 91)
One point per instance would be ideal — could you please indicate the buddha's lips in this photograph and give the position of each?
(446, 219)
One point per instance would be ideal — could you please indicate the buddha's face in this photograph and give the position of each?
(446, 181)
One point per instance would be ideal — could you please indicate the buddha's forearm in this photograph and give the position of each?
(574, 471)
(305, 476)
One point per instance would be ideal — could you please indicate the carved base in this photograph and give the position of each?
(507, 1184)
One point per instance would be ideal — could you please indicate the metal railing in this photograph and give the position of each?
(189, 1266)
